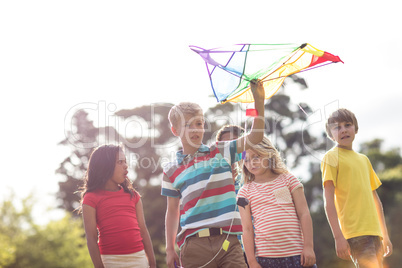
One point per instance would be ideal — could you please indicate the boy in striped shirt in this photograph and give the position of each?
(200, 191)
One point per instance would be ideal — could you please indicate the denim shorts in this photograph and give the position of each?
(366, 251)
(285, 262)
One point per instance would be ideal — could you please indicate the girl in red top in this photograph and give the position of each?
(112, 210)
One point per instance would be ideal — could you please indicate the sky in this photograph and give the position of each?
(57, 57)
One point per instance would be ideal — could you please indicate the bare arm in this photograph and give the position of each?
(341, 245)
(89, 217)
(257, 130)
(146, 239)
(248, 236)
(171, 226)
(380, 212)
(303, 213)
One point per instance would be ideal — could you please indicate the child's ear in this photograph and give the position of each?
(174, 131)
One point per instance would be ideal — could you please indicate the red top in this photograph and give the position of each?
(116, 220)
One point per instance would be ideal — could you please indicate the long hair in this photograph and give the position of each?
(266, 149)
(101, 167)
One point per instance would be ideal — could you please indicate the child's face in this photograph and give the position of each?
(343, 133)
(228, 136)
(256, 164)
(191, 130)
(120, 169)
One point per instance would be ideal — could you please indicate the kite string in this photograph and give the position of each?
(301, 108)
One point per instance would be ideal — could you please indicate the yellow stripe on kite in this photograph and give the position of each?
(310, 49)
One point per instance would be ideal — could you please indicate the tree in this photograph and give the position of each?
(81, 140)
(25, 244)
(388, 165)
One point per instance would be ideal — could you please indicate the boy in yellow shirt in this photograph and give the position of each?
(353, 208)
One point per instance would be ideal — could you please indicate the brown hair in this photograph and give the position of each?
(101, 166)
(236, 131)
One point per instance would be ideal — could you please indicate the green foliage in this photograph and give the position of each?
(388, 165)
(7, 250)
(24, 244)
(58, 244)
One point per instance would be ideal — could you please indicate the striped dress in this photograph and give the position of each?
(277, 227)
(204, 184)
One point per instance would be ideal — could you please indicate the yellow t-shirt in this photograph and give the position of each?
(354, 180)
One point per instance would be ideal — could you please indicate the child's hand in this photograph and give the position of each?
(307, 257)
(342, 248)
(254, 264)
(257, 89)
(172, 259)
(387, 245)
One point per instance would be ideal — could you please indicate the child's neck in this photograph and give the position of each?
(267, 176)
(350, 148)
(111, 188)
(190, 149)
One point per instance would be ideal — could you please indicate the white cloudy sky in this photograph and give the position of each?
(56, 56)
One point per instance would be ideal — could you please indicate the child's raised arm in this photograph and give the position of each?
(257, 130)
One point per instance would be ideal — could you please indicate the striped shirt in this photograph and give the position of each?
(277, 227)
(204, 184)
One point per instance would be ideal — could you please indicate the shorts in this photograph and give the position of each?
(366, 251)
(203, 252)
(285, 262)
(137, 259)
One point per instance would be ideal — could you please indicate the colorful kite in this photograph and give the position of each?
(231, 69)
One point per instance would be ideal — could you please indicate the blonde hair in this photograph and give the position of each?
(178, 111)
(266, 149)
(340, 115)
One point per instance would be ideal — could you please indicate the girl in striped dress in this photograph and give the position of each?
(283, 233)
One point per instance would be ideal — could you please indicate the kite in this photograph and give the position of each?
(231, 69)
